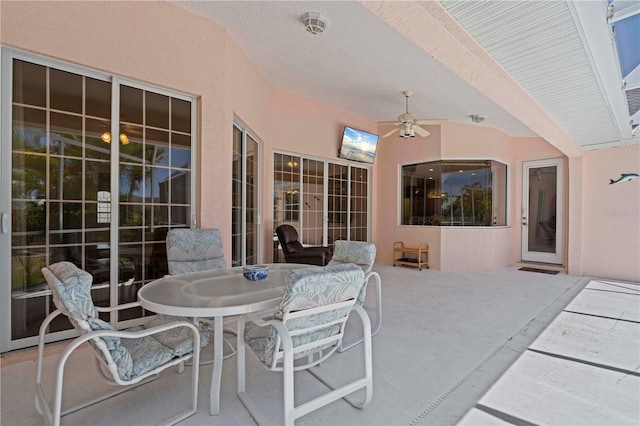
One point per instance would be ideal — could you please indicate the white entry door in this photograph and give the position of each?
(542, 211)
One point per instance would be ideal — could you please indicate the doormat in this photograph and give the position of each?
(542, 271)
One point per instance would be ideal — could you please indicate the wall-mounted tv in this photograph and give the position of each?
(358, 145)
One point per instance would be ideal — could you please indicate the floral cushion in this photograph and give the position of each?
(361, 253)
(179, 339)
(191, 250)
(308, 288)
(146, 352)
(71, 290)
(119, 354)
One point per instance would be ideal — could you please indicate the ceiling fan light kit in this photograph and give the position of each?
(407, 126)
(315, 23)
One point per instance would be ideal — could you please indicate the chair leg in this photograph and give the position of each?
(378, 313)
(244, 397)
(367, 381)
(287, 373)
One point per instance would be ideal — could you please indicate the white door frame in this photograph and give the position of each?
(556, 257)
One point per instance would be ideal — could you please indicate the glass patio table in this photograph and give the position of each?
(215, 294)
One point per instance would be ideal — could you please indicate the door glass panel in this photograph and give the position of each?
(155, 192)
(236, 198)
(244, 192)
(358, 225)
(286, 201)
(542, 209)
(51, 209)
(251, 207)
(29, 84)
(312, 202)
(338, 187)
(65, 91)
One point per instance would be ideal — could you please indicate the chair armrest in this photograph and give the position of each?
(118, 308)
(318, 258)
(259, 319)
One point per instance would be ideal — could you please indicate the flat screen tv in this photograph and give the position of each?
(358, 145)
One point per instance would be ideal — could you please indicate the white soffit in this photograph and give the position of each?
(538, 43)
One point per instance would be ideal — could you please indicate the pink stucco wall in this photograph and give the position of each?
(611, 214)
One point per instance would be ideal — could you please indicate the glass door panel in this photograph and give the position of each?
(542, 221)
(312, 203)
(286, 196)
(245, 197)
(251, 202)
(154, 184)
(236, 194)
(338, 202)
(359, 211)
(58, 170)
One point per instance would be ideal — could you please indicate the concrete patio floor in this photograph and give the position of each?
(455, 347)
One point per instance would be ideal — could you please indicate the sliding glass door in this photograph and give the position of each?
(81, 186)
(245, 184)
(324, 200)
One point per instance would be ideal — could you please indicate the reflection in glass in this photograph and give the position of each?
(237, 170)
(133, 151)
(181, 116)
(156, 110)
(454, 193)
(359, 210)
(65, 93)
(29, 84)
(542, 209)
(157, 147)
(337, 192)
(29, 130)
(98, 98)
(130, 105)
(131, 182)
(65, 135)
(95, 147)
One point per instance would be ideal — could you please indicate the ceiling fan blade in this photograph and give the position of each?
(391, 132)
(420, 131)
(431, 122)
(384, 123)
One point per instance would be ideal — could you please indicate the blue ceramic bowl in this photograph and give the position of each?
(255, 272)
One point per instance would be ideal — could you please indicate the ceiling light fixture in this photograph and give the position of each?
(315, 23)
(106, 138)
(476, 118)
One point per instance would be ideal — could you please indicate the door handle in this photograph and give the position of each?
(5, 223)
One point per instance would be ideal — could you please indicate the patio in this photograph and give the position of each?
(447, 337)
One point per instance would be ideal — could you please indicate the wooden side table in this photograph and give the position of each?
(421, 254)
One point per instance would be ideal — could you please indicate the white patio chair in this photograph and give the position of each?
(196, 250)
(308, 326)
(129, 357)
(362, 254)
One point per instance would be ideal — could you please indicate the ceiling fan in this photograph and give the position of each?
(408, 125)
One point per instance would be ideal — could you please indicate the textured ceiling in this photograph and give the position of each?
(362, 64)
